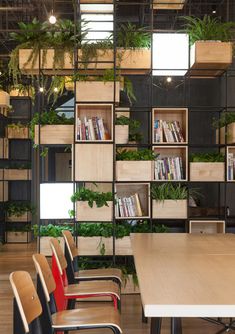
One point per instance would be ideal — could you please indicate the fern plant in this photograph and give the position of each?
(169, 191)
(206, 157)
(130, 36)
(144, 155)
(208, 28)
(225, 119)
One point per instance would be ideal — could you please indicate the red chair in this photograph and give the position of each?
(66, 294)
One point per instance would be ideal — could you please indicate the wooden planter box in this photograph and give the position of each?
(45, 247)
(28, 68)
(26, 217)
(129, 287)
(85, 213)
(168, 4)
(17, 133)
(3, 191)
(91, 246)
(230, 134)
(210, 58)
(17, 174)
(4, 148)
(4, 99)
(96, 164)
(121, 134)
(207, 171)
(54, 134)
(18, 237)
(134, 170)
(97, 91)
(169, 209)
(207, 226)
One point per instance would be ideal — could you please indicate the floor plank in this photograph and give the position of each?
(19, 257)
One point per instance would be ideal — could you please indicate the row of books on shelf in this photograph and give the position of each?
(231, 166)
(169, 168)
(92, 129)
(168, 131)
(128, 206)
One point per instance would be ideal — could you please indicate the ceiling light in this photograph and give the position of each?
(213, 7)
(168, 79)
(52, 18)
(41, 89)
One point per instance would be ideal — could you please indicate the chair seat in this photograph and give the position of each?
(99, 273)
(91, 317)
(92, 288)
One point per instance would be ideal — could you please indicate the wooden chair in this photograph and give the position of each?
(71, 255)
(65, 292)
(31, 309)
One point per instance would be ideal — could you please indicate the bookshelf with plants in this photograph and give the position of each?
(146, 180)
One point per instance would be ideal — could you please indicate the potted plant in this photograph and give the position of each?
(20, 90)
(210, 46)
(225, 128)
(122, 130)
(18, 234)
(17, 131)
(45, 232)
(5, 106)
(93, 205)
(19, 211)
(169, 201)
(17, 172)
(54, 128)
(134, 165)
(207, 167)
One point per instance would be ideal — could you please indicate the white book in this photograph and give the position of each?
(91, 129)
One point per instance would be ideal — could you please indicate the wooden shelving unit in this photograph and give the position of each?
(207, 226)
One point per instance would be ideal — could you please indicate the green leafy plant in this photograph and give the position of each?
(207, 157)
(17, 126)
(130, 36)
(225, 119)
(18, 166)
(19, 208)
(23, 90)
(144, 154)
(134, 125)
(99, 198)
(50, 230)
(208, 28)
(169, 191)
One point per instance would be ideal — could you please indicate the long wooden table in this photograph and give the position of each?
(185, 275)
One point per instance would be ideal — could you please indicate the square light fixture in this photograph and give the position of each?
(99, 26)
(96, 8)
(55, 200)
(170, 55)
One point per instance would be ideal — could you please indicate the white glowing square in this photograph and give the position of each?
(55, 201)
(170, 54)
(96, 8)
(97, 28)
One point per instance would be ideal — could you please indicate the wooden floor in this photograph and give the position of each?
(19, 257)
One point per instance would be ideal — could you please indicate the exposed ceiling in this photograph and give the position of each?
(136, 11)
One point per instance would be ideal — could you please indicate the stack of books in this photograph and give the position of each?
(166, 131)
(128, 206)
(231, 166)
(169, 168)
(92, 129)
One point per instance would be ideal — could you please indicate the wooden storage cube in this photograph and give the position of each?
(3, 191)
(143, 191)
(134, 170)
(122, 111)
(18, 237)
(123, 246)
(170, 115)
(85, 213)
(17, 174)
(26, 217)
(121, 134)
(92, 245)
(211, 57)
(45, 247)
(173, 151)
(230, 134)
(104, 111)
(28, 67)
(207, 171)
(94, 91)
(17, 132)
(4, 99)
(207, 226)
(168, 4)
(4, 148)
(54, 134)
(94, 162)
(231, 163)
(169, 209)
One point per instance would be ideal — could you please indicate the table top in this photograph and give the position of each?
(186, 275)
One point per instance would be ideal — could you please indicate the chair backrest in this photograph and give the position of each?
(26, 297)
(58, 254)
(45, 274)
(71, 246)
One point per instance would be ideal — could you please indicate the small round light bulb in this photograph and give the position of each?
(55, 89)
(168, 79)
(52, 19)
(41, 89)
